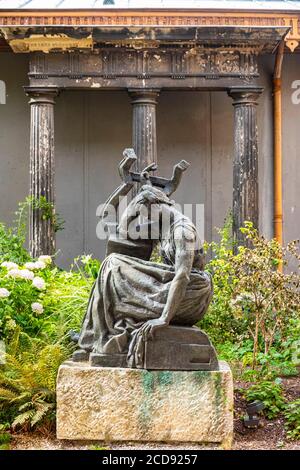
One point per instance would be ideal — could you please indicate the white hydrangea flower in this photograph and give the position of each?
(39, 265)
(36, 307)
(9, 265)
(21, 273)
(26, 274)
(45, 259)
(39, 283)
(30, 266)
(4, 292)
(35, 265)
(14, 273)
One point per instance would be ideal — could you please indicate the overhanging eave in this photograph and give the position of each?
(51, 39)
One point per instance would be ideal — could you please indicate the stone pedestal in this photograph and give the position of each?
(114, 405)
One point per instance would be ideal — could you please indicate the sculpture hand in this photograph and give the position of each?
(151, 326)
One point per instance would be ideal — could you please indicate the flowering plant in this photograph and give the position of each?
(21, 295)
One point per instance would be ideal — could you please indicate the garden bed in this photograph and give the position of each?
(253, 321)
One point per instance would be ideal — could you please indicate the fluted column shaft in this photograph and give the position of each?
(245, 163)
(144, 138)
(41, 228)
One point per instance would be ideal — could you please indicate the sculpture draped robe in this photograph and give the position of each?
(129, 291)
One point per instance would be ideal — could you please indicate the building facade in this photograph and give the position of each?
(194, 83)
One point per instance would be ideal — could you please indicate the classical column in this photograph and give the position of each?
(245, 163)
(144, 139)
(41, 229)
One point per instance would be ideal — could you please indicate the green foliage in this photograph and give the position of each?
(276, 363)
(27, 380)
(91, 265)
(39, 304)
(253, 299)
(12, 239)
(50, 307)
(43, 207)
(254, 318)
(291, 343)
(5, 437)
(67, 295)
(264, 296)
(17, 308)
(270, 394)
(11, 246)
(220, 321)
(292, 416)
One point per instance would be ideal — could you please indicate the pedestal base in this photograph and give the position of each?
(172, 348)
(114, 404)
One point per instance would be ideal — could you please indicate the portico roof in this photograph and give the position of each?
(279, 5)
(30, 25)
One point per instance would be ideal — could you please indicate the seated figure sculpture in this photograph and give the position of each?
(141, 312)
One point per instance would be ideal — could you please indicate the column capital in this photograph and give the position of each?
(142, 96)
(245, 95)
(41, 95)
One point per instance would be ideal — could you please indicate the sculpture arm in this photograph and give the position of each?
(184, 259)
(185, 246)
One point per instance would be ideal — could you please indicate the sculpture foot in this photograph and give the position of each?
(80, 355)
(108, 360)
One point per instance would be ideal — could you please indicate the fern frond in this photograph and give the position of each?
(25, 406)
(6, 394)
(23, 418)
(41, 413)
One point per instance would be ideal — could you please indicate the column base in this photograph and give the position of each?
(126, 405)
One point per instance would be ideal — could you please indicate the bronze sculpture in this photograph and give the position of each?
(141, 313)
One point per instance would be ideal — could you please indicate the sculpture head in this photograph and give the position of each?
(149, 195)
(140, 226)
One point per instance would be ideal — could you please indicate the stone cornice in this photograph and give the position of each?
(153, 18)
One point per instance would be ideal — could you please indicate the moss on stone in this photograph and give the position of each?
(148, 382)
(165, 378)
(200, 377)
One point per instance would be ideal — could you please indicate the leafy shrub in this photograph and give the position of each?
(91, 265)
(270, 394)
(11, 246)
(265, 296)
(292, 416)
(27, 380)
(253, 319)
(67, 295)
(5, 437)
(278, 362)
(220, 322)
(45, 300)
(253, 299)
(12, 239)
(18, 297)
(39, 304)
(40, 205)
